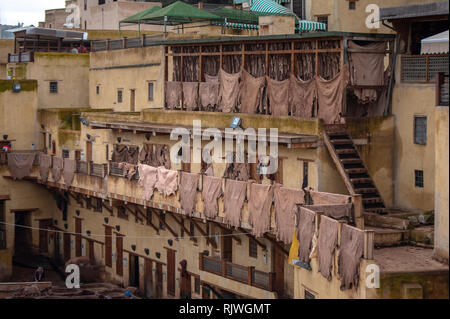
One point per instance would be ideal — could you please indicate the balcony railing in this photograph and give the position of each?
(21, 57)
(114, 170)
(99, 170)
(422, 68)
(246, 275)
(82, 167)
(126, 43)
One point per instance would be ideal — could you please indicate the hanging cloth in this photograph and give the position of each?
(278, 94)
(120, 154)
(259, 207)
(173, 94)
(133, 155)
(330, 94)
(250, 93)
(148, 176)
(188, 192)
(209, 95)
(190, 95)
(286, 200)
(58, 164)
(45, 161)
(211, 191)
(350, 254)
(335, 211)
(70, 166)
(305, 229)
(301, 96)
(20, 164)
(326, 245)
(234, 196)
(229, 91)
(167, 182)
(322, 198)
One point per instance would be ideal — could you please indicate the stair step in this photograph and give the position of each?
(372, 200)
(356, 170)
(389, 237)
(351, 161)
(366, 190)
(361, 180)
(346, 151)
(342, 141)
(376, 210)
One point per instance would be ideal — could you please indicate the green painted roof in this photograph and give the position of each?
(240, 15)
(180, 12)
(141, 15)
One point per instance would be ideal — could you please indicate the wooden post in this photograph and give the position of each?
(124, 42)
(271, 280)
(251, 269)
(224, 268)
(143, 40)
(107, 44)
(358, 210)
(369, 236)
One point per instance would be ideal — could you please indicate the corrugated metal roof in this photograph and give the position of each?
(414, 11)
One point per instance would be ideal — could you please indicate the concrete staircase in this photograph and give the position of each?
(352, 169)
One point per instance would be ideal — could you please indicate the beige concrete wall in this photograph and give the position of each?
(68, 69)
(126, 70)
(18, 113)
(409, 100)
(441, 183)
(6, 46)
(108, 15)
(272, 25)
(340, 18)
(55, 18)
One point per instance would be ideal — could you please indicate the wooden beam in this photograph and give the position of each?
(208, 239)
(236, 238)
(273, 241)
(76, 197)
(149, 221)
(108, 209)
(180, 222)
(165, 224)
(264, 247)
(134, 213)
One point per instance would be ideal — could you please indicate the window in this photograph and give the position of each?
(420, 130)
(192, 228)
(100, 2)
(150, 91)
(351, 5)
(161, 224)
(418, 178)
(197, 285)
(252, 248)
(323, 19)
(119, 96)
(53, 87)
(98, 205)
(85, 6)
(309, 295)
(305, 174)
(97, 89)
(65, 154)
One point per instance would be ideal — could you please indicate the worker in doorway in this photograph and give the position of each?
(39, 274)
(82, 49)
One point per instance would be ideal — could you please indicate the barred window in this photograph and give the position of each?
(418, 178)
(351, 5)
(119, 96)
(420, 130)
(252, 248)
(150, 91)
(53, 87)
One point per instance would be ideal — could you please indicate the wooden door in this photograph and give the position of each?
(278, 269)
(88, 151)
(159, 280)
(108, 246)
(91, 251)
(171, 272)
(186, 287)
(43, 235)
(119, 254)
(133, 268)
(132, 100)
(227, 246)
(67, 247)
(148, 278)
(77, 237)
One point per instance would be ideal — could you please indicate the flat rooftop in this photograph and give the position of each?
(407, 259)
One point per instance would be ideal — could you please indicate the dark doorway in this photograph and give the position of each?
(67, 247)
(78, 252)
(119, 254)
(108, 246)
(91, 251)
(148, 279)
(171, 272)
(159, 281)
(134, 271)
(206, 293)
(132, 100)
(278, 269)
(227, 246)
(186, 286)
(22, 233)
(56, 249)
(44, 225)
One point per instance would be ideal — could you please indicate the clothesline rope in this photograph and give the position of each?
(103, 235)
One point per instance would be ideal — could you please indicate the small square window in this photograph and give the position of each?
(150, 91)
(252, 248)
(119, 96)
(97, 89)
(418, 178)
(53, 87)
(351, 5)
(65, 154)
(324, 20)
(420, 130)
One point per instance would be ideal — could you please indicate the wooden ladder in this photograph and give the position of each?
(352, 169)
